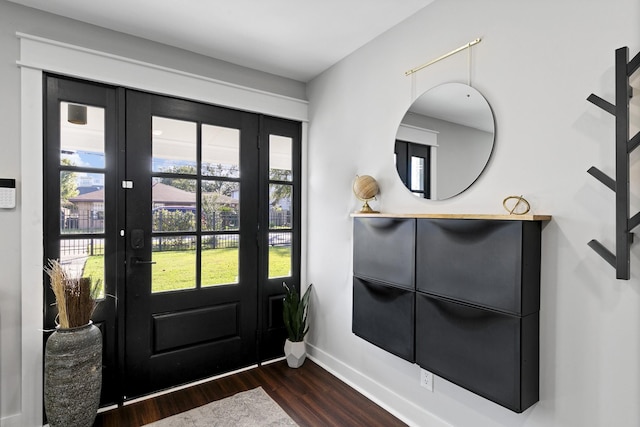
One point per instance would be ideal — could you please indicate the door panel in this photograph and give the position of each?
(280, 239)
(192, 283)
(80, 202)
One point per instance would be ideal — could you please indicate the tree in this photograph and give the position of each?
(217, 216)
(208, 186)
(186, 184)
(209, 210)
(277, 192)
(226, 188)
(68, 183)
(174, 220)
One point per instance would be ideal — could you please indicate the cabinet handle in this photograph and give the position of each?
(461, 311)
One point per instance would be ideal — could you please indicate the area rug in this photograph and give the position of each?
(252, 408)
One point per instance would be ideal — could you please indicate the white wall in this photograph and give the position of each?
(536, 64)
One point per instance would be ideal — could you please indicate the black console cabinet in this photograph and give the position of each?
(384, 283)
(384, 250)
(458, 296)
(385, 316)
(490, 353)
(490, 263)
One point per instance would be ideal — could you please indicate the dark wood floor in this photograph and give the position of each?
(309, 394)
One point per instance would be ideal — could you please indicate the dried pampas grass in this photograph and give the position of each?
(75, 298)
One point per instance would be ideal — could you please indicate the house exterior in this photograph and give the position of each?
(86, 212)
(536, 65)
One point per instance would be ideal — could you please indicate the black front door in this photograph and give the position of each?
(192, 212)
(189, 216)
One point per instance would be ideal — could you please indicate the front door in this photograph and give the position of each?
(190, 219)
(191, 230)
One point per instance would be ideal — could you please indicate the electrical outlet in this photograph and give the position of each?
(426, 379)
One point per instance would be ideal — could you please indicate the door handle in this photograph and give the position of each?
(138, 261)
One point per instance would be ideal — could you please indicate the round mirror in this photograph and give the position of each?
(444, 141)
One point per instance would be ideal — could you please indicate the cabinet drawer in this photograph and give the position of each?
(384, 250)
(384, 316)
(492, 354)
(493, 264)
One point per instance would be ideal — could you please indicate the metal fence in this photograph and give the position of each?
(167, 218)
(81, 221)
(81, 247)
(72, 248)
(187, 243)
(279, 218)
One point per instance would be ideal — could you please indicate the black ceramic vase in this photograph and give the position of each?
(73, 376)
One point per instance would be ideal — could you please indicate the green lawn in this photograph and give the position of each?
(94, 268)
(177, 269)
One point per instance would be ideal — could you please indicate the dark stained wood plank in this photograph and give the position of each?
(310, 395)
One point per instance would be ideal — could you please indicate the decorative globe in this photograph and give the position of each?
(365, 188)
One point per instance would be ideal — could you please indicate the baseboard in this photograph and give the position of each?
(401, 408)
(11, 421)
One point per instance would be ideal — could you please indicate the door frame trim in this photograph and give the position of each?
(76, 61)
(38, 55)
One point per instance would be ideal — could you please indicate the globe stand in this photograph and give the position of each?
(366, 208)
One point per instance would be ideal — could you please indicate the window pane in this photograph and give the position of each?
(279, 254)
(174, 145)
(84, 258)
(417, 173)
(220, 259)
(280, 158)
(174, 204)
(220, 205)
(81, 135)
(175, 263)
(81, 202)
(220, 151)
(280, 207)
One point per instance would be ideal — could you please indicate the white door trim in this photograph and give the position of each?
(62, 58)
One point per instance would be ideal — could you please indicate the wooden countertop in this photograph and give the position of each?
(526, 217)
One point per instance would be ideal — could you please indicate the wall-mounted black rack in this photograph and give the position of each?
(624, 146)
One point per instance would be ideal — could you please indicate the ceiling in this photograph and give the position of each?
(297, 39)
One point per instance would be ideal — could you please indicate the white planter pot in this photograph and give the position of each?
(295, 352)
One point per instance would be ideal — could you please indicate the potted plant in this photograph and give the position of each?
(73, 352)
(295, 310)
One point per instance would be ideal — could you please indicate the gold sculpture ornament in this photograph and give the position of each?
(519, 205)
(365, 188)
